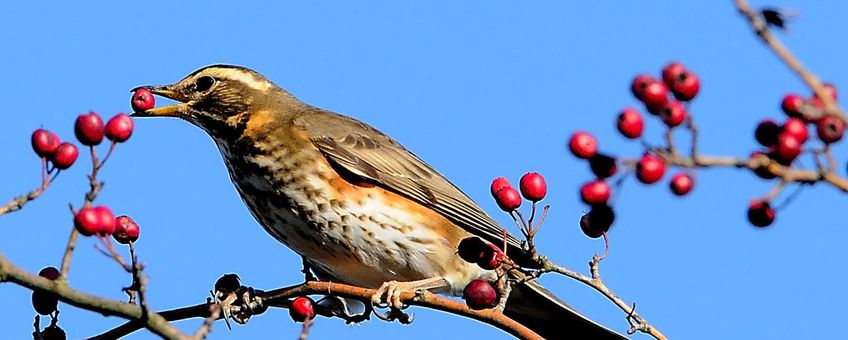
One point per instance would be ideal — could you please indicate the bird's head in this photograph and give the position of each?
(219, 98)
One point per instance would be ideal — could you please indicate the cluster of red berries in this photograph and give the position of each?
(486, 255)
(100, 221)
(47, 145)
(532, 186)
(89, 130)
(302, 309)
(662, 98)
(784, 142)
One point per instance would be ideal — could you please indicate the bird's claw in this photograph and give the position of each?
(392, 290)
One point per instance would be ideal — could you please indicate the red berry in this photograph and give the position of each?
(650, 169)
(788, 147)
(508, 199)
(681, 183)
(302, 309)
(761, 214)
(671, 71)
(797, 128)
(766, 132)
(673, 113)
(583, 145)
(126, 230)
(471, 249)
(597, 221)
(106, 220)
(87, 221)
(44, 302)
(830, 129)
(533, 186)
(480, 294)
(630, 123)
(498, 184)
(44, 142)
(639, 84)
(64, 156)
(492, 257)
(94, 220)
(119, 128)
(603, 166)
(142, 99)
(830, 90)
(683, 83)
(89, 128)
(763, 171)
(791, 105)
(655, 94)
(595, 192)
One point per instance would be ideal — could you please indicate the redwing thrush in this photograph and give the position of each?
(359, 207)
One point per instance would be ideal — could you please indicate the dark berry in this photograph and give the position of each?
(761, 214)
(603, 166)
(471, 249)
(766, 132)
(597, 221)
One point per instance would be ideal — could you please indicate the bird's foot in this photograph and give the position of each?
(238, 302)
(392, 290)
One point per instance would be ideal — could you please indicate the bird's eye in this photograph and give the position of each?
(204, 83)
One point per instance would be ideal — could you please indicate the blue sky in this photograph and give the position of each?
(478, 90)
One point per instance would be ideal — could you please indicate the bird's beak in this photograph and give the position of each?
(176, 110)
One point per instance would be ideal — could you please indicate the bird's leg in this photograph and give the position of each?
(394, 289)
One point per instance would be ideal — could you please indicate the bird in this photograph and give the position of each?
(354, 203)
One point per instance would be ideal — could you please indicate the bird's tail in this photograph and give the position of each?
(540, 310)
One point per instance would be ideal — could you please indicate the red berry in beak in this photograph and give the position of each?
(142, 100)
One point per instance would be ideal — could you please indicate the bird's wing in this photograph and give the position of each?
(368, 153)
